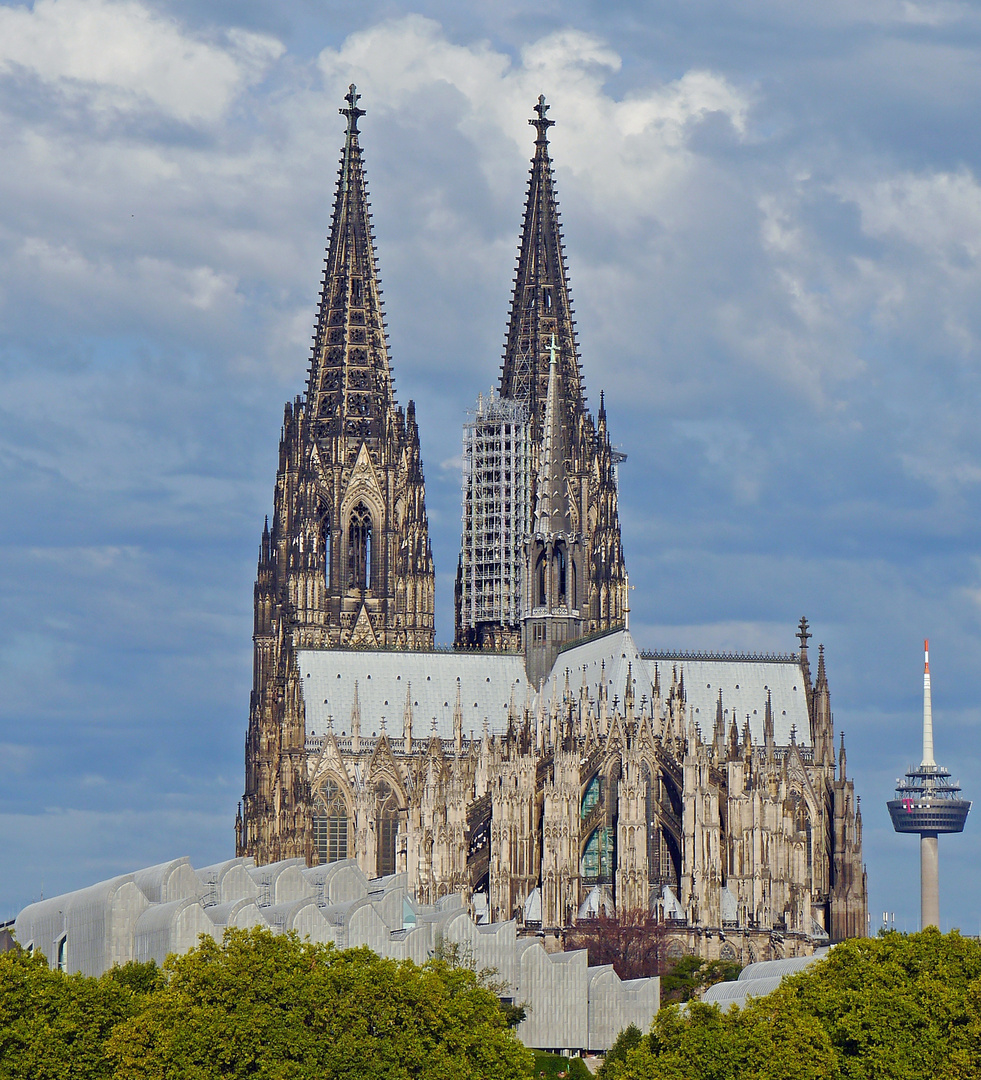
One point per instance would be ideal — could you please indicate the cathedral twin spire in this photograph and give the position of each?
(574, 522)
(541, 305)
(349, 391)
(374, 591)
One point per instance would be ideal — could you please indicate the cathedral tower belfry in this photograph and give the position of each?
(347, 562)
(511, 431)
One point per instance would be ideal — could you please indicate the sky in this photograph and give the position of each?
(772, 215)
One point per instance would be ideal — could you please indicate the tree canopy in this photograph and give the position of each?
(256, 1005)
(896, 1007)
(688, 976)
(54, 1026)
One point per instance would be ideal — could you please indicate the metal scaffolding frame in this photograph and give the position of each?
(498, 469)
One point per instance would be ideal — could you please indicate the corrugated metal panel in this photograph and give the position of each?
(735, 993)
(764, 969)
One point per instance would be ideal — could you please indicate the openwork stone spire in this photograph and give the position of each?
(541, 305)
(350, 386)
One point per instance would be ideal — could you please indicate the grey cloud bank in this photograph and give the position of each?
(773, 220)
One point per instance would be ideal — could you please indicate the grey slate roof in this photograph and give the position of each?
(743, 681)
(488, 681)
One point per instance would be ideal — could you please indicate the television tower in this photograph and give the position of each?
(927, 803)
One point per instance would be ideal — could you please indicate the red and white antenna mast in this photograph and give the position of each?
(927, 710)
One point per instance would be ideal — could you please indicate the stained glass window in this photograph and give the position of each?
(330, 823)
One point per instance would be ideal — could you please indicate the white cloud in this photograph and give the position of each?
(925, 278)
(938, 212)
(627, 149)
(123, 56)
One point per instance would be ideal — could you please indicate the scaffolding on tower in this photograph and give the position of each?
(498, 469)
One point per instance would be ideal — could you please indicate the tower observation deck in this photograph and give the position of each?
(928, 803)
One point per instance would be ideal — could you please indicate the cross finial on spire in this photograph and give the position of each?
(542, 123)
(352, 112)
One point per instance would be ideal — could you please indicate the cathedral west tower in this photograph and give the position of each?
(506, 444)
(347, 561)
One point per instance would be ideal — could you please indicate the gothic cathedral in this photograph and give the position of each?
(544, 768)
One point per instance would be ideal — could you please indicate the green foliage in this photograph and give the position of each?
(456, 954)
(277, 1007)
(140, 978)
(628, 1039)
(893, 1008)
(513, 1014)
(578, 1070)
(54, 1026)
(690, 975)
(256, 1005)
(556, 1067)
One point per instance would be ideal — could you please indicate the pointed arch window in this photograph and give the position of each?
(591, 796)
(386, 829)
(540, 579)
(359, 545)
(330, 823)
(561, 572)
(598, 857)
(325, 540)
